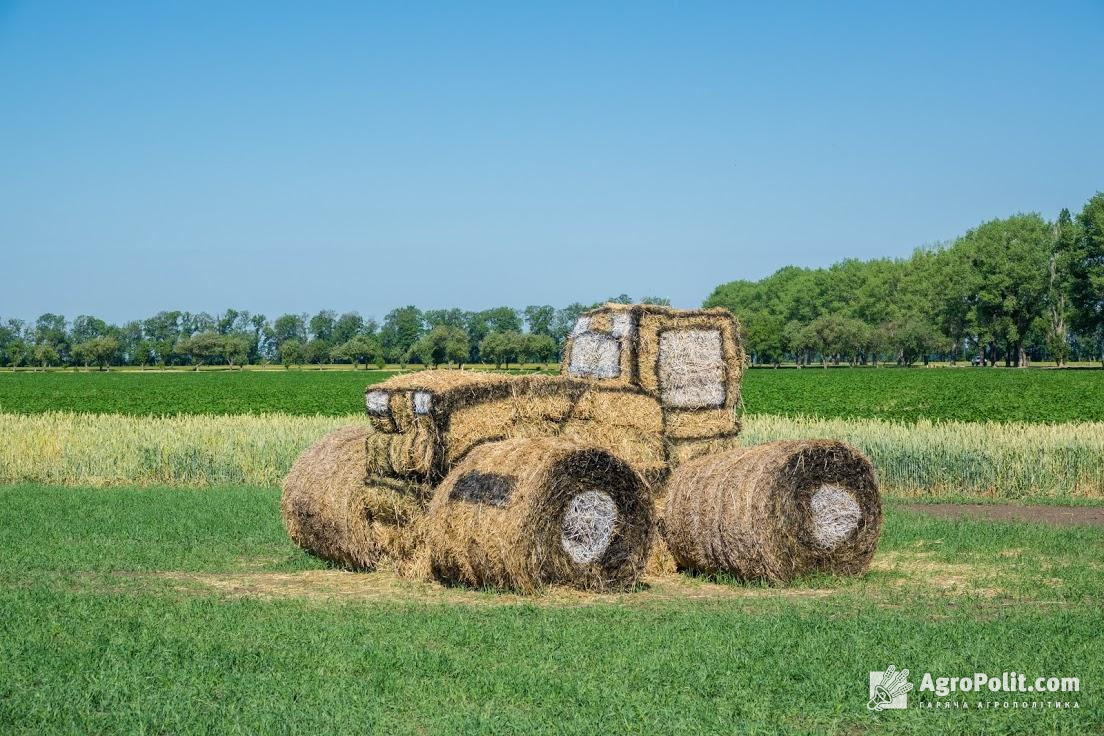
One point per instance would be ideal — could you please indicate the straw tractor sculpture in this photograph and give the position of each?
(521, 482)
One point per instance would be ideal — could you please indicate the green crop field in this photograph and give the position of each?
(177, 611)
(963, 394)
(909, 394)
(331, 393)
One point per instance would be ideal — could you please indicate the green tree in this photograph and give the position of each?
(291, 353)
(86, 328)
(129, 336)
(910, 340)
(763, 337)
(203, 348)
(1087, 274)
(289, 327)
(871, 290)
(1009, 259)
(16, 352)
(799, 340)
(740, 297)
(227, 322)
(50, 331)
(259, 349)
(440, 345)
(540, 348)
(540, 319)
(194, 323)
(45, 355)
(501, 348)
(13, 347)
(1061, 266)
(141, 353)
(236, 348)
(503, 319)
(99, 351)
(837, 337)
(952, 307)
(475, 324)
(445, 318)
(163, 332)
(358, 349)
(348, 326)
(792, 293)
(317, 352)
(322, 325)
(401, 329)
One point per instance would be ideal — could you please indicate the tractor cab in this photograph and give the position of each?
(690, 361)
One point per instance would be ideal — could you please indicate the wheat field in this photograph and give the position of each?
(1012, 460)
(921, 459)
(112, 449)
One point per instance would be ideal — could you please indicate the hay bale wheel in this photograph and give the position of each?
(330, 511)
(526, 513)
(774, 511)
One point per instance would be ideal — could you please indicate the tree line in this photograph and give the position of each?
(502, 335)
(1016, 290)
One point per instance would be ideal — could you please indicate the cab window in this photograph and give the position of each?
(595, 355)
(691, 369)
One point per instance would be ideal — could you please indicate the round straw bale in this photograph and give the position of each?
(526, 513)
(774, 511)
(330, 511)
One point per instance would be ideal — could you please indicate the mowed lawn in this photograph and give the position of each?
(901, 394)
(169, 610)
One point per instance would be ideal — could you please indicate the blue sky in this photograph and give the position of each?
(290, 157)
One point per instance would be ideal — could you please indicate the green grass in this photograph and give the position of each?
(97, 633)
(965, 394)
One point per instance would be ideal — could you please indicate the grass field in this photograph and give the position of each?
(182, 607)
(176, 611)
(1007, 461)
(963, 394)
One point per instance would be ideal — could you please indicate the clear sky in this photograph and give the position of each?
(290, 157)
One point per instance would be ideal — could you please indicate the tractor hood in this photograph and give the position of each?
(418, 435)
(394, 404)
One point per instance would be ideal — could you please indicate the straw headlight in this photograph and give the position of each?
(378, 403)
(423, 402)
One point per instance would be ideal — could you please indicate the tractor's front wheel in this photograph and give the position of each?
(526, 513)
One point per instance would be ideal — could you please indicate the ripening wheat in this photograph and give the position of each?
(1006, 460)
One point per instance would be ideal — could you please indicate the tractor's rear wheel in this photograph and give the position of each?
(526, 513)
(775, 511)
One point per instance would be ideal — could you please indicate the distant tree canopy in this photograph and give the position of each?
(408, 335)
(442, 344)
(1012, 290)
(360, 348)
(1016, 290)
(100, 350)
